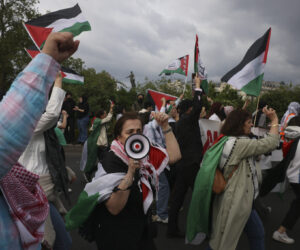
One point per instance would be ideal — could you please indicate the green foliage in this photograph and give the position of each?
(279, 99)
(100, 88)
(13, 39)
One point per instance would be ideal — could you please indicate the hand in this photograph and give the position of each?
(271, 114)
(133, 165)
(181, 96)
(197, 81)
(111, 105)
(161, 119)
(60, 45)
(64, 113)
(209, 100)
(75, 108)
(163, 100)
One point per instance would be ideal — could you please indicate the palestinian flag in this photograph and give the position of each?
(69, 75)
(70, 20)
(179, 66)
(199, 68)
(248, 75)
(155, 98)
(198, 218)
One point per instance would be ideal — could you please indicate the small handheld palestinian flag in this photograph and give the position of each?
(69, 75)
(179, 66)
(199, 68)
(248, 75)
(70, 20)
(155, 98)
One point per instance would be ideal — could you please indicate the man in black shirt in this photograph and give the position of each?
(189, 140)
(68, 105)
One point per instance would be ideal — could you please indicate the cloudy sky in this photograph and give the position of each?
(144, 36)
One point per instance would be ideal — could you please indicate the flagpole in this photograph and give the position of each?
(185, 82)
(256, 110)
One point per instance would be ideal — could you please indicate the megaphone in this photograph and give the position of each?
(137, 146)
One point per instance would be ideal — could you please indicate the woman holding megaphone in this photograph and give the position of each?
(123, 187)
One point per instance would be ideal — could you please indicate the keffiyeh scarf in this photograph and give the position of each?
(28, 205)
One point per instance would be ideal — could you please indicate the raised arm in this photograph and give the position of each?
(109, 115)
(50, 117)
(172, 146)
(251, 147)
(22, 106)
(197, 102)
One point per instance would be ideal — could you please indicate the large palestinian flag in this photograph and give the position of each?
(199, 67)
(155, 98)
(248, 75)
(179, 66)
(70, 20)
(69, 75)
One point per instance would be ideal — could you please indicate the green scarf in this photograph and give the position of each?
(92, 146)
(198, 215)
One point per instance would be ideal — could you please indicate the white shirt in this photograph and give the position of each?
(34, 156)
(293, 171)
(214, 117)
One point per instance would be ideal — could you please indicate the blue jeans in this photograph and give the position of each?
(255, 232)
(82, 127)
(63, 239)
(163, 197)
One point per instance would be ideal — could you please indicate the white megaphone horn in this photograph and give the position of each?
(137, 146)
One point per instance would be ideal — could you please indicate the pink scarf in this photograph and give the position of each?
(27, 203)
(151, 167)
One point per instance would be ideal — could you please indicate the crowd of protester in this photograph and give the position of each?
(125, 198)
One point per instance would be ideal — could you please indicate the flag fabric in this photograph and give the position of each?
(89, 153)
(155, 98)
(70, 19)
(69, 75)
(199, 67)
(179, 66)
(248, 75)
(199, 211)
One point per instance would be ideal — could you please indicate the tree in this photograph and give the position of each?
(13, 39)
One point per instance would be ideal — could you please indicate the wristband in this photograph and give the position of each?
(167, 131)
(274, 125)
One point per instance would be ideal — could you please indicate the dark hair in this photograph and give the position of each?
(295, 121)
(100, 113)
(234, 123)
(262, 104)
(147, 104)
(145, 118)
(216, 109)
(120, 123)
(84, 98)
(118, 109)
(184, 106)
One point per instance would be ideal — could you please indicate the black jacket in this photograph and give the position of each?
(188, 134)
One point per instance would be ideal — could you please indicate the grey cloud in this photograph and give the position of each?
(145, 36)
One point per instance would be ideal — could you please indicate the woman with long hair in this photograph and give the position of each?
(114, 209)
(232, 209)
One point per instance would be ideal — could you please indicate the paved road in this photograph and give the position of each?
(279, 207)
